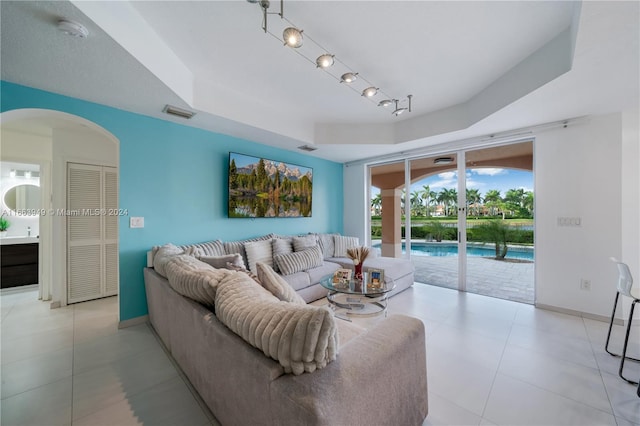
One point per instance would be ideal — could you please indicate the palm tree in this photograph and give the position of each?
(473, 198)
(527, 202)
(492, 199)
(450, 199)
(429, 196)
(376, 204)
(496, 231)
(416, 203)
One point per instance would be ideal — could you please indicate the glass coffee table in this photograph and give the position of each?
(355, 297)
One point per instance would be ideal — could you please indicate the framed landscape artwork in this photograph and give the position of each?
(259, 187)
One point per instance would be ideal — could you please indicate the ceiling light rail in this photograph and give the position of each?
(323, 59)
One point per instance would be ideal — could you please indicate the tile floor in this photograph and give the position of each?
(489, 362)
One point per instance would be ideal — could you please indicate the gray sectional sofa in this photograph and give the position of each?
(306, 281)
(258, 354)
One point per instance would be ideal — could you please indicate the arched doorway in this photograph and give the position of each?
(54, 139)
(437, 210)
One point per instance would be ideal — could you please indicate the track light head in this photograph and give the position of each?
(370, 92)
(292, 37)
(324, 61)
(349, 77)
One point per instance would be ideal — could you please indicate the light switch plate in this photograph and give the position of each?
(136, 222)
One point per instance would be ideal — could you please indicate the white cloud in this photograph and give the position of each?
(489, 171)
(447, 175)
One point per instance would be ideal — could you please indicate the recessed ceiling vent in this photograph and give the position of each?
(178, 112)
(307, 148)
(443, 160)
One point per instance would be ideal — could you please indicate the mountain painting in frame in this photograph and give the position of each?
(259, 187)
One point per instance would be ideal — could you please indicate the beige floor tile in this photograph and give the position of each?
(48, 405)
(169, 403)
(514, 402)
(35, 344)
(129, 341)
(577, 382)
(33, 372)
(103, 386)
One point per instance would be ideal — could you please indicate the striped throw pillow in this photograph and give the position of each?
(343, 243)
(297, 261)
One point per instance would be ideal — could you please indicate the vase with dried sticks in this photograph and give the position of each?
(358, 255)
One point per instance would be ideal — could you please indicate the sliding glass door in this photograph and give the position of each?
(464, 218)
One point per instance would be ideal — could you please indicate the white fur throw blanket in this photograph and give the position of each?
(302, 338)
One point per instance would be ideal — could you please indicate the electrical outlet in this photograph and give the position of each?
(585, 284)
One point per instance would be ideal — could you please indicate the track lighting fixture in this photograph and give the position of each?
(370, 92)
(324, 61)
(349, 77)
(400, 110)
(292, 37)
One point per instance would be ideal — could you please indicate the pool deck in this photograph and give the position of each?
(489, 277)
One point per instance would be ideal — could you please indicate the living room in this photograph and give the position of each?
(175, 175)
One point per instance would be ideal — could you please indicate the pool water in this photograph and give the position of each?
(444, 249)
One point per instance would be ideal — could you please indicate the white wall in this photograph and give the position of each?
(586, 170)
(355, 202)
(631, 197)
(577, 174)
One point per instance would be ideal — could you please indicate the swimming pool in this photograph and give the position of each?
(451, 249)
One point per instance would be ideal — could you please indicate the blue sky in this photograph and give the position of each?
(483, 179)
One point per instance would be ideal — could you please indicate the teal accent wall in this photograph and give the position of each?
(176, 178)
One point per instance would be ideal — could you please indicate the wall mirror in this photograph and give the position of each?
(23, 197)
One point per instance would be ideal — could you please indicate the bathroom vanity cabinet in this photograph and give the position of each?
(18, 264)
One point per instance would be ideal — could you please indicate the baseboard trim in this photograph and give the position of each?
(133, 321)
(55, 305)
(581, 314)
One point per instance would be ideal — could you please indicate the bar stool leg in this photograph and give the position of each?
(626, 342)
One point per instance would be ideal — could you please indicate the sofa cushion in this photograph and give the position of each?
(343, 243)
(162, 254)
(194, 279)
(220, 262)
(304, 242)
(276, 285)
(299, 260)
(302, 338)
(318, 273)
(258, 251)
(298, 281)
(210, 248)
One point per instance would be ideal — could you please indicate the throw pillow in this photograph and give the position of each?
(326, 244)
(280, 246)
(299, 261)
(258, 251)
(237, 268)
(343, 243)
(231, 247)
(194, 279)
(162, 255)
(304, 242)
(210, 248)
(220, 262)
(276, 285)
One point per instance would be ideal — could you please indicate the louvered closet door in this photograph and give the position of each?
(110, 197)
(92, 232)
